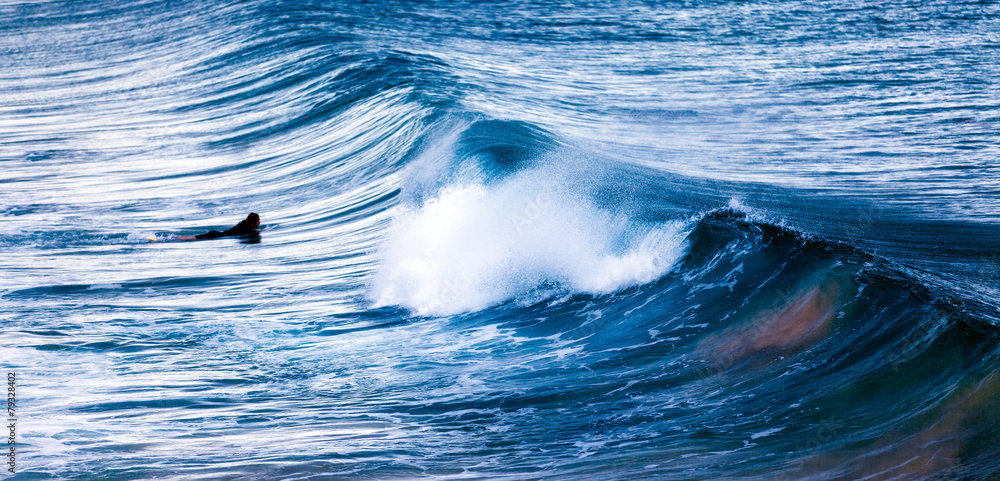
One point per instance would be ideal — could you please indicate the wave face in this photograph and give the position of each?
(585, 240)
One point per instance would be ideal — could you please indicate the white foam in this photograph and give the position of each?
(475, 245)
(136, 236)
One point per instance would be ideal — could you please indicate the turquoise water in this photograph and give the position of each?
(586, 240)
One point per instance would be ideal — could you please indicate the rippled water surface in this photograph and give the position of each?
(584, 240)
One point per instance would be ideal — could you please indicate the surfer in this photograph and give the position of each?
(247, 226)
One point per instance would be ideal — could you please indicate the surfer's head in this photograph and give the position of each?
(254, 220)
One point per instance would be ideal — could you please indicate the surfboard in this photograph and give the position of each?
(152, 239)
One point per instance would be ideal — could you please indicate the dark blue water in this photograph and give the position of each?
(584, 240)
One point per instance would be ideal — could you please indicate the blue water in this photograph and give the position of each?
(576, 240)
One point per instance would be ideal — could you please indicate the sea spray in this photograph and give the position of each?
(474, 246)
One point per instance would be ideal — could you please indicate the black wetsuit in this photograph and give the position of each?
(243, 228)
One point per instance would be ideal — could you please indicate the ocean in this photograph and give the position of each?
(671, 240)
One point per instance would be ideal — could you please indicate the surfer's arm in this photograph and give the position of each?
(213, 234)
